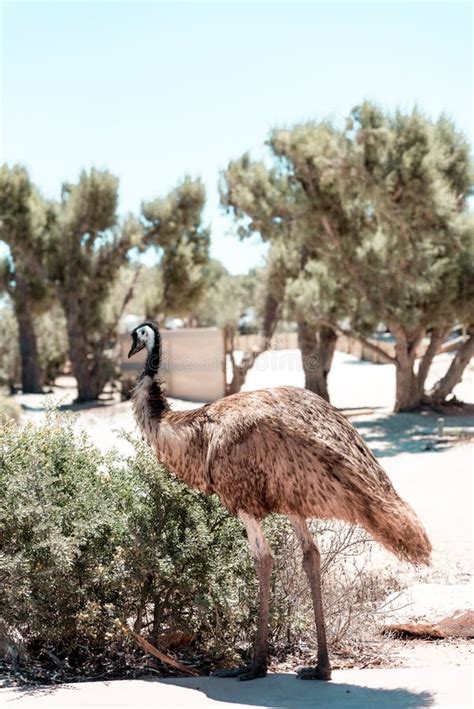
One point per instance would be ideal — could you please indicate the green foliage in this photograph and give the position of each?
(173, 224)
(384, 200)
(261, 199)
(148, 291)
(368, 223)
(25, 220)
(88, 248)
(78, 250)
(227, 298)
(187, 554)
(92, 541)
(54, 515)
(271, 202)
(88, 538)
(298, 282)
(411, 172)
(24, 223)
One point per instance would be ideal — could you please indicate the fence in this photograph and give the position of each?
(193, 365)
(280, 341)
(289, 341)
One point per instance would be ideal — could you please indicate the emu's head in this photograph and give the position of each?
(145, 335)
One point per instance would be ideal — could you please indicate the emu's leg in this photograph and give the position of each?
(311, 565)
(263, 563)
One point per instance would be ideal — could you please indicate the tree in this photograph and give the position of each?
(420, 174)
(271, 202)
(269, 302)
(25, 219)
(173, 225)
(384, 199)
(459, 299)
(461, 308)
(227, 299)
(224, 304)
(317, 299)
(309, 302)
(257, 197)
(88, 248)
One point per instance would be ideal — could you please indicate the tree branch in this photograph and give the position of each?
(108, 333)
(405, 345)
(387, 359)
(437, 338)
(446, 384)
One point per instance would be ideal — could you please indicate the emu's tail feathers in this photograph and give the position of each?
(394, 524)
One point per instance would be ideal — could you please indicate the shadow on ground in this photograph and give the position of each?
(276, 691)
(391, 434)
(73, 406)
(284, 691)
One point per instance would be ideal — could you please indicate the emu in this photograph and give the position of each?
(282, 450)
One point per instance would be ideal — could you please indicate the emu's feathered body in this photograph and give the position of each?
(282, 450)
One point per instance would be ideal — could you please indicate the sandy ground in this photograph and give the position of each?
(436, 479)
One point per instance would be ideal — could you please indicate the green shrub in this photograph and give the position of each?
(91, 542)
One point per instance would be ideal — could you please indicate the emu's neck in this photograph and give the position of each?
(175, 437)
(149, 401)
(150, 406)
(153, 359)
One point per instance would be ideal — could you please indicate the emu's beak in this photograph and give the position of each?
(136, 347)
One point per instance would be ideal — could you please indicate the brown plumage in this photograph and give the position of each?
(281, 450)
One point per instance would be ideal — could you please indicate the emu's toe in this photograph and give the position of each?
(314, 673)
(243, 673)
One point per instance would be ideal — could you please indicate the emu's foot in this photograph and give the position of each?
(314, 673)
(243, 673)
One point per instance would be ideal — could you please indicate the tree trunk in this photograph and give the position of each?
(86, 371)
(89, 364)
(438, 335)
(89, 381)
(408, 396)
(317, 346)
(31, 379)
(409, 393)
(446, 384)
(240, 371)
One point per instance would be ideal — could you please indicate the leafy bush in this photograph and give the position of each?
(91, 542)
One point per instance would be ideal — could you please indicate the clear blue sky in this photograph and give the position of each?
(155, 90)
